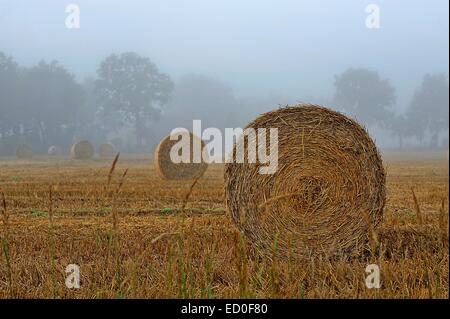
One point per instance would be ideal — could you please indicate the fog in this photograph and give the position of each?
(226, 62)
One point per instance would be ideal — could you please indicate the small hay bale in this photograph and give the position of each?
(82, 150)
(55, 151)
(330, 182)
(24, 151)
(106, 151)
(169, 170)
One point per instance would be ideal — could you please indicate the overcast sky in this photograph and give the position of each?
(259, 47)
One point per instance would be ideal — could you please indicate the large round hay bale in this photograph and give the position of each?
(55, 151)
(82, 150)
(167, 169)
(106, 151)
(329, 184)
(24, 151)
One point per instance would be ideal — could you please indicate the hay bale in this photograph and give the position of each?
(330, 182)
(169, 170)
(55, 151)
(82, 150)
(24, 151)
(106, 151)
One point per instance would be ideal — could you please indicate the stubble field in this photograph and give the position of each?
(137, 236)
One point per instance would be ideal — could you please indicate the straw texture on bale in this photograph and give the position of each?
(106, 151)
(325, 197)
(24, 151)
(169, 170)
(55, 150)
(82, 150)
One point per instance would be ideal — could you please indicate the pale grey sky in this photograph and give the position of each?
(288, 47)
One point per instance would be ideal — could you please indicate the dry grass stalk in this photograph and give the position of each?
(188, 194)
(51, 241)
(240, 249)
(5, 246)
(372, 235)
(443, 224)
(277, 198)
(162, 236)
(417, 208)
(5, 215)
(122, 180)
(330, 174)
(111, 170)
(106, 150)
(115, 225)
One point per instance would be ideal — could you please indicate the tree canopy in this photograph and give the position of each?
(364, 95)
(133, 87)
(429, 110)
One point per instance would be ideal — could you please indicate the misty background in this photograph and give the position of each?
(135, 70)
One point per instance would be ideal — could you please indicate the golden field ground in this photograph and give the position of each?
(139, 243)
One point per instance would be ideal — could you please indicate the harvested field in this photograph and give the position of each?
(137, 241)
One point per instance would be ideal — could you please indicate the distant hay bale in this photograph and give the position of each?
(106, 151)
(169, 170)
(82, 150)
(24, 151)
(55, 151)
(329, 184)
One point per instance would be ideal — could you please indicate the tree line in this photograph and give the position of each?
(372, 100)
(131, 104)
